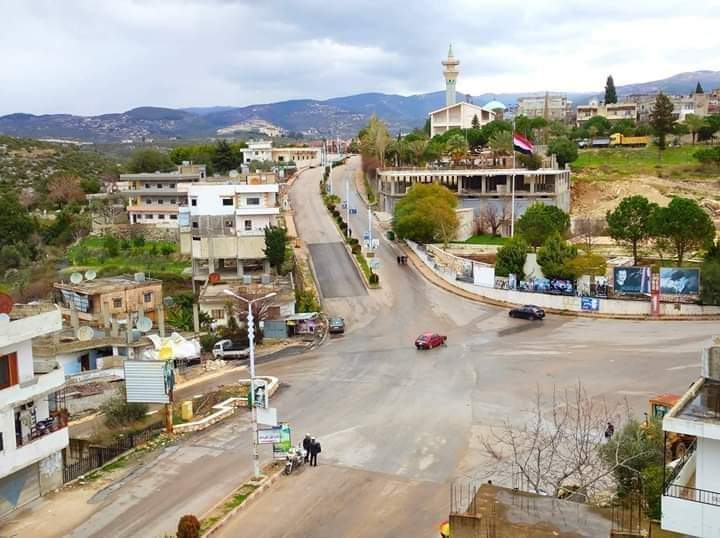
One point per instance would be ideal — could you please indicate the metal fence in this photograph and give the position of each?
(98, 456)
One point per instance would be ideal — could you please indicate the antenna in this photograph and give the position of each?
(144, 324)
(76, 278)
(90, 274)
(84, 333)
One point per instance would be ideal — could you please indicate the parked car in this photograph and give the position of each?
(227, 349)
(527, 311)
(429, 340)
(336, 325)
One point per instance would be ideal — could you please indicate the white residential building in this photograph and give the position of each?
(33, 423)
(154, 199)
(225, 228)
(550, 107)
(263, 150)
(691, 494)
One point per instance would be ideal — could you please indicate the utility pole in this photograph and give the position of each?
(512, 187)
(251, 393)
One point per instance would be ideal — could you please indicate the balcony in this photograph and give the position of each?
(685, 508)
(34, 451)
(36, 387)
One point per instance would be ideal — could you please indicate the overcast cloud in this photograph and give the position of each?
(91, 56)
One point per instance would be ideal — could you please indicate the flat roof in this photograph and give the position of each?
(704, 406)
(106, 284)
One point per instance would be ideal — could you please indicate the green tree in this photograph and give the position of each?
(553, 256)
(426, 214)
(661, 119)
(475, 122)
(694, 123)
(511, 258)
(540, 221)
(564, 150)
(417, 149)
(457, 147)
(710, 292)
(225, 157)
(275, 241)
(684, 225)
(16, 225)
(426, 127)
(149, 160)
(699, 88)
(434, 150)
(708, 155)
(630, 222)
(610, 93)
(111, 246)
(601, 124)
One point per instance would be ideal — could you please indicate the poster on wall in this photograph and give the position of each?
(679, 280)
(590, 303)
(632, 280)
(284, 445)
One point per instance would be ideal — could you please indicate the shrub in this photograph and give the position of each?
(343, 226)
(153, 249)
(166, 249)
(120, 413)
(188, 527)
(138, 240)
(125, 245)
(511, 258)
(356, 248)
(374, 279)
(111, 246)
(207, 341)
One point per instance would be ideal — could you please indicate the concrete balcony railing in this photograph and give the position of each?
(33, 451)
(38, 386)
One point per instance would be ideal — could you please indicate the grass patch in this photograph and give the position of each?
(609, 164)
(238, 497)
(485, 239)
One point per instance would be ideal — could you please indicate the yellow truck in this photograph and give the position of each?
(619, 139)
(676, 444)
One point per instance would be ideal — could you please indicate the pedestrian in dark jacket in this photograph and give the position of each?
(306, 446)
(315, 449)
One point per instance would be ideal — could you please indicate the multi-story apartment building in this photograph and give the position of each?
(263, 150)
(691, 493)
(223, 228)
(154, 198)
(33, 422)
(700, 104)
(612, 111)
(550, 107)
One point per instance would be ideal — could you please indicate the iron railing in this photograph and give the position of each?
(687, 493)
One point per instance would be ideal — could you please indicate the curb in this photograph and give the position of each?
(248, 500)
(440, 283)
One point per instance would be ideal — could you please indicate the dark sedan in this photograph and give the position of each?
(336, 325)
(527, 311)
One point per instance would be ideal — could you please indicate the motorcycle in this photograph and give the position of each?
(294, 459)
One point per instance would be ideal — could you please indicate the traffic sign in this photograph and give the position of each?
(375, 263)
(366, 236)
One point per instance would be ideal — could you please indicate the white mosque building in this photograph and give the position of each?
(460, 115)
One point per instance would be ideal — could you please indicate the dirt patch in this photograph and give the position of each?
(594, 199)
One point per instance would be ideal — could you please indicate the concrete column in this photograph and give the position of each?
(483, 186)
(240, 268)
(266, 266)
(196, 318)
(459, 184)
(532, 184)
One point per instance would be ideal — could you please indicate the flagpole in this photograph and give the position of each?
(512, 188)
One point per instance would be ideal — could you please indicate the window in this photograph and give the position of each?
(172, 185)
(173, 201)
(217, 313)
(252, 201)
(161, 201)
(193, 201)
(2, 446)
(148, 216)
(228, 223)
(227, 201)
(173, 217)
(147, 185)
(161, 217)
(117, 303)
(147, 297)
(159, 185)
(195, 224)
(248, 225)
(8, 370)
(148, 201)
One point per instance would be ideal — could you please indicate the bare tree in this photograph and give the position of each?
(106, 210)
(557, 446)
(587, 230)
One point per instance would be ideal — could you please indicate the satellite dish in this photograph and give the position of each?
(4, 318)
(6, 303)
(144, 325)
(90, 274)
(168, 301)
(76, 278)
(84, 333)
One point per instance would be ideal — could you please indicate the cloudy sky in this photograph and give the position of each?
(91, 56)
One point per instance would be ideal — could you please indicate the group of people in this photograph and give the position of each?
(402, 260)
(312, 448)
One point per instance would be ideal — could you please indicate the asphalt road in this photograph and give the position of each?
(396, 425)
(335, 271)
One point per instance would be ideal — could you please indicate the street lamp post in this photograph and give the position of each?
(251, 393)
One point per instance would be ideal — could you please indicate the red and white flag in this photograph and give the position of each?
(522, 144)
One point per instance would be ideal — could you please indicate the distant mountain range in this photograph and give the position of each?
(340, 116)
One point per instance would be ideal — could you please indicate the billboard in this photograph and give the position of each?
(589, 303)
(284, 445)
(631, 280)
(270, 435)
(149, 381)
(679, 281)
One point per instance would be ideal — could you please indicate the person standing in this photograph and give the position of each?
(315, 449)
(306, 446)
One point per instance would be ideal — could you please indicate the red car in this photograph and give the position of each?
(429, 340)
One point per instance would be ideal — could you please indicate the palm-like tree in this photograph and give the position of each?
(457, 147)
(694, 123)
(501, 143)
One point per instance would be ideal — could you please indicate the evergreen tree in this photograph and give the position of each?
(475, 122)
(661, 118)
(275, 239)
(699, 88)
(610, 93)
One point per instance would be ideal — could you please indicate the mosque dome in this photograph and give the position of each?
(494, 105)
